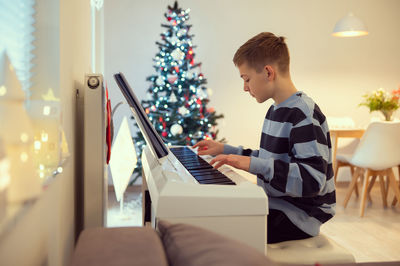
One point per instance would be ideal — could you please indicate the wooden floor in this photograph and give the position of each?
(374, 237)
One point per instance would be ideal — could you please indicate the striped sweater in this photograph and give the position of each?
(294, 162)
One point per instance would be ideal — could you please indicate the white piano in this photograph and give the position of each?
(181, 187)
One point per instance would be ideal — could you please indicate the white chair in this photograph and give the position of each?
(343, 157)
(344, 153)
(376, 154)
(394, 198)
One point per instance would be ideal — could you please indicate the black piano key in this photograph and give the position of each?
(210, 177)
(204, 172)
(216, 182)
(189, 159)
(197, 167)
(201, 165)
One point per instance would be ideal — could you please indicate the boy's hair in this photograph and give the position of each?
(263, 49)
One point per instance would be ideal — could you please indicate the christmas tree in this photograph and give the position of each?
(177, 98)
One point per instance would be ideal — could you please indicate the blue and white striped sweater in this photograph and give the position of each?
(294, 162)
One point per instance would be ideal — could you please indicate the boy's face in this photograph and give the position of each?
(259, 85)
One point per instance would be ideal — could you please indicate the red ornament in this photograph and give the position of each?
(160, 119)
(192, 62)
(164, 134)
(186, 100)
(174, 22)
(201, 75)
(169, 18)
(172, 79)
(189, 55)
(176, 69)
(108, 128)
(198, 101)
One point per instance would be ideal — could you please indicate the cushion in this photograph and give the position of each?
(119, 247)
(188, 245)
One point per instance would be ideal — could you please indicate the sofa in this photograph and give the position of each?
(171, 244)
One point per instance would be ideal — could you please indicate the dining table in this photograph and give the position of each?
(337, 133)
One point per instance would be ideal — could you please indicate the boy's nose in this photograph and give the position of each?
(246, 88)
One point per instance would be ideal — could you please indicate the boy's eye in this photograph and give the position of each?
(247, 80)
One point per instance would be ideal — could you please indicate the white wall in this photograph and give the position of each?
(336, 72)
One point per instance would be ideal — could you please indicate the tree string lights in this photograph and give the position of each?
(177, 98)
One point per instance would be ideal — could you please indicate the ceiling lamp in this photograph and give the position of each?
(349, 26)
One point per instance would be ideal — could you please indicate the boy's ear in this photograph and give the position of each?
(269, 71)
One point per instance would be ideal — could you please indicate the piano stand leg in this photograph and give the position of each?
(146, 203)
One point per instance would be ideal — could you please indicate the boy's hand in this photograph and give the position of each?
(237, 161)
(209, 147)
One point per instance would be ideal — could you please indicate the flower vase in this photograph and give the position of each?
(387, 114)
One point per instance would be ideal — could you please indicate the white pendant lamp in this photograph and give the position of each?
(350, 26)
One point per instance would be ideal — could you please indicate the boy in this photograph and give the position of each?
(294, 162)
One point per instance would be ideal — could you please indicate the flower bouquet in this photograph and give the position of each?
(383, 101)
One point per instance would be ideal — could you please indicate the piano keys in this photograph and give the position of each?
(202, 171)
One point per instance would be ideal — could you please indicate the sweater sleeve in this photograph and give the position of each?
(309, 166)
(228, 149)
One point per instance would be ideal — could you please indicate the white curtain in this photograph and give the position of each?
(16, 36)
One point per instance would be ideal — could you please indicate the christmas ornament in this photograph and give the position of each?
(191, 74)
(183, 111)
(160, 81)
(177, 54)
(172, 98)
(172, 78)
(176, 129)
